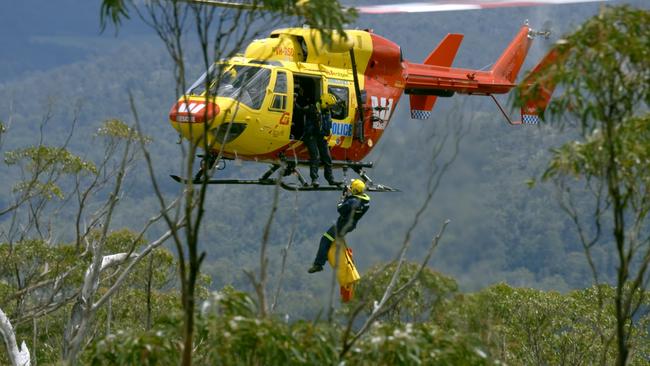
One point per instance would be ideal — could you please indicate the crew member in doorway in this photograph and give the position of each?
(300, 106)
(318, 126)
(353, 205)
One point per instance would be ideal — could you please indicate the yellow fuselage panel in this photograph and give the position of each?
(333, 54)
(261, 134)
(267, 129)
(281, 49)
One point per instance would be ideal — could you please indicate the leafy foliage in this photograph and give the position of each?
(527, 326)
(418, 344)
(45, 164)
(114, 128)
(606, 71)
(500, 324)
(116, 10)
(324, 15)
(630, 142)
(37, 157)
(230, 334)
(38, 281)
(429, 291)
(605, 81)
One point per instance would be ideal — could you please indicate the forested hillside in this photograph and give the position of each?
(60, 75)
(501, 230)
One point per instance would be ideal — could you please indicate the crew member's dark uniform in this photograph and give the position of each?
(351, 209)
(318, 125)
(301, 104)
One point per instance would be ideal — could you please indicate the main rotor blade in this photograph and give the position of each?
(225, 4)
(439, 6)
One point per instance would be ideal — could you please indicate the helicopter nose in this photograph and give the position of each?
(187, 111)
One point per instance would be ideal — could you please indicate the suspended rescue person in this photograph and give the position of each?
(318, 126)
(353, 205)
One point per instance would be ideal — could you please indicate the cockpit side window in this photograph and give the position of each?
(280, 91)
(198, 88)
(244, 83)
(281, 83)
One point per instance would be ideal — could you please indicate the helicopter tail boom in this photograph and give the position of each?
(427, 79)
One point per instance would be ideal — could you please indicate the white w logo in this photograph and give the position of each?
(381, 110)
(193, 108)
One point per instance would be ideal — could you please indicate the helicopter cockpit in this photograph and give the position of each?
(245, 83)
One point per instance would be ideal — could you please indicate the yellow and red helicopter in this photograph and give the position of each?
(245, 109)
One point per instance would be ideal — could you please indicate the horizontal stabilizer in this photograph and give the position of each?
(443, 55)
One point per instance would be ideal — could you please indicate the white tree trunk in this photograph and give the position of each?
(84, 309)
(18, 357)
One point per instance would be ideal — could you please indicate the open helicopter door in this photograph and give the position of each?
(311, 87)
(443, 55)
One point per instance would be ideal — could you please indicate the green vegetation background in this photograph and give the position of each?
(54, 56)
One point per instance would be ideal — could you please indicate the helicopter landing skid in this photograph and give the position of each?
(284, 185)
(264, 182)
(291, 170)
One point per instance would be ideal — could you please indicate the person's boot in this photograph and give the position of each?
(332, 181)
(315, 268)
(314, 183)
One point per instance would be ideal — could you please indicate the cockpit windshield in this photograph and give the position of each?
(244, 83)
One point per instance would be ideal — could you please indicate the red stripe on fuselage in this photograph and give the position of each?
(384, 80)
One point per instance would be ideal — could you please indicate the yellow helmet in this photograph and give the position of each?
(357, 186)
(327, 100)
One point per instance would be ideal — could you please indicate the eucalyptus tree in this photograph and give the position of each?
(604, 83)
(43, 280)
(219, 32)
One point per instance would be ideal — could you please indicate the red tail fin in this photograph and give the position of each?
(509, 64)
(536, 92)
(443, 55)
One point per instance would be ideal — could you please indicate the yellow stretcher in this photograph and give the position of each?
(346, 272)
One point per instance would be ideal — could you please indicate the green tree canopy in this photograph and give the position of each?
(604, 82)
